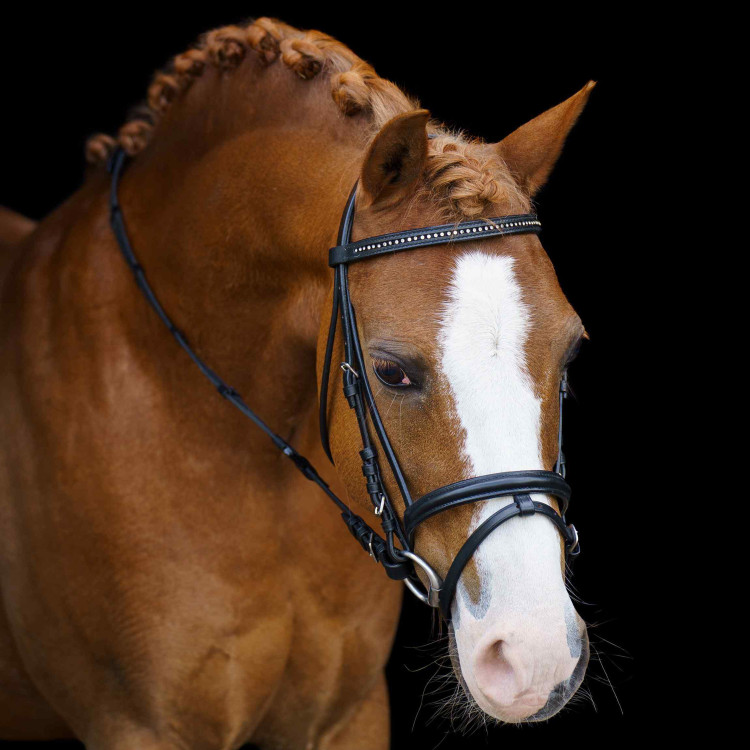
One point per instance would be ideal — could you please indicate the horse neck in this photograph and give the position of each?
(233, 235)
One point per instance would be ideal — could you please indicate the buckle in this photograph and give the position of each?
(574, 548)
(560, 465)
(431, 595)
(346, 367)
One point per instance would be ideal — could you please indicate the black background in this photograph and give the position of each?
(69, 74)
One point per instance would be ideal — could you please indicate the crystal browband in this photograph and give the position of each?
(438, 235)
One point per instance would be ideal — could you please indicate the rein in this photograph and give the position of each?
(398, 561)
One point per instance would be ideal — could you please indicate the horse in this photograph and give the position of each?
(169, 580)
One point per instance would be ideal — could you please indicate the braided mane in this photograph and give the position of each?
(458, 170)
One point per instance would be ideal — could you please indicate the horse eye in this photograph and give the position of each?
(391, 374)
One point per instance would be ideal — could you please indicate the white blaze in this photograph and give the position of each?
(485, 327)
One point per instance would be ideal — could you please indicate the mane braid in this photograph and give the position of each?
(467, 182)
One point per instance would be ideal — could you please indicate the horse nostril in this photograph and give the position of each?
(506, 677)
(500, 673)
(515, 678)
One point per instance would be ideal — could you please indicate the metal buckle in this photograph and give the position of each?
(564, 387)
(575, 548)
(379, 510)
(369, 545)
(346, 367)
(431, 596)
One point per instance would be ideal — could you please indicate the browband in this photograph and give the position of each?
(437, 235)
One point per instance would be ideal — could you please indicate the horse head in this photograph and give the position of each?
(466, 346)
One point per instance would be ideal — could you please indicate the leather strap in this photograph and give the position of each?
(352, 252)
(345, 231)
(483, 488)
(371, 542)
(523, 505)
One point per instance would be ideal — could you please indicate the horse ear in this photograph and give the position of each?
(531, 151)
(396, 157)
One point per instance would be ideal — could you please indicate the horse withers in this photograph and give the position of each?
(169, 580)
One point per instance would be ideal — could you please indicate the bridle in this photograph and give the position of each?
(394, 549)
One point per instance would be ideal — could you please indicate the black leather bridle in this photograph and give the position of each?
(394, 549)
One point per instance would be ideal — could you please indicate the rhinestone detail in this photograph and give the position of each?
(487, 227)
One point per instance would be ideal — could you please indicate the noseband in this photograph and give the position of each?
(394, 549)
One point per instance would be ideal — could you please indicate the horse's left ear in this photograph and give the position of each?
(396, 157)
(531, 151)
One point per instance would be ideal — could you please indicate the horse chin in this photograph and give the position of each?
(558, 698)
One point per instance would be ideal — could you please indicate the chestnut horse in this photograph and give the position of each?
(169, 580)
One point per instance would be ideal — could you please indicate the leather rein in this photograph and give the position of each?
(394, 549)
